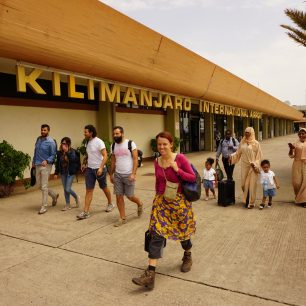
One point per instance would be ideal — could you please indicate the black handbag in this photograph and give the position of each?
(148, 238)
(219, 173)
(33, 176)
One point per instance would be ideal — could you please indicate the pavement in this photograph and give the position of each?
(240, 256)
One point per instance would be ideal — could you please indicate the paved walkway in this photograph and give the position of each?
(241, 257)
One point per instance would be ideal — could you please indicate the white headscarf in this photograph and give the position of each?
(302, 129)
(303, 154)
(251, 139)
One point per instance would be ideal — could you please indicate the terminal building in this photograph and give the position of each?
(72, 63)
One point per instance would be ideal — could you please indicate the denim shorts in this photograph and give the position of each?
(269, 192)
(208, 184)
(91, 177)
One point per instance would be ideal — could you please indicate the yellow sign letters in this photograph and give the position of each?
(116, 93)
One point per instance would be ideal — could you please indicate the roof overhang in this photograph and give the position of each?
(91, 38)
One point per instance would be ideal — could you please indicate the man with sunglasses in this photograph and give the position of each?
(95, 170)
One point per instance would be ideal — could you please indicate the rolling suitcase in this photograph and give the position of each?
(226, 193)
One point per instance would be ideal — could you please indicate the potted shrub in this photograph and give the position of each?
(12, 165)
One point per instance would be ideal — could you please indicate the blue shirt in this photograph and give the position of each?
(45, 149)
(225, 150)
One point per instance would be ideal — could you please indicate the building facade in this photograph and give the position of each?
(98, 66)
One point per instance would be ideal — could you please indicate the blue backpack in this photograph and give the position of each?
(192, 191)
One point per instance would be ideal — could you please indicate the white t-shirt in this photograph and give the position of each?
(93, 149)
(268, 177)
(209, 174)
(124, 159)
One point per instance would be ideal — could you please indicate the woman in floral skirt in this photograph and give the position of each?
(172, 216)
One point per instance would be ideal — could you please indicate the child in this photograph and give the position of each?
(269, 183)
(209, 177)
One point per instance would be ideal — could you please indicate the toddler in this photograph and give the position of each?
(268, 182)
(209, 178)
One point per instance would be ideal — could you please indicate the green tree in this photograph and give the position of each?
(298, 33)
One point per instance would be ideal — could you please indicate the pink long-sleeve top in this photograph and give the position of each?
(185, 173)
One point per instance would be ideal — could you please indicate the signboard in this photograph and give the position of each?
(111, 92)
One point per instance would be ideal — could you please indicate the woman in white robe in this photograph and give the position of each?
(250, 154)
(298, 152)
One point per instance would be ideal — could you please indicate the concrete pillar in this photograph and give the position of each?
(276, 127)
(265, 127)
(209, 132)
(271, 127)
(106, 120)
(282, 127)
(230, 123)
(287, 127)
(172, 122)
(290, 127)
(246, 123)
(256, 128)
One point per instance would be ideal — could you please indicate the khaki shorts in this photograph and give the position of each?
(122, 185)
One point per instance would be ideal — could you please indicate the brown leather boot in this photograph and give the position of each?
(146, 279)
(187, 262)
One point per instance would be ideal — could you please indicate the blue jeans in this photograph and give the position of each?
(67, 183)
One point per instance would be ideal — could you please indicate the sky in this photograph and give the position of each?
(243, 37)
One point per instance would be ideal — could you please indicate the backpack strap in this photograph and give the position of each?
(130, 146)
(233, 140)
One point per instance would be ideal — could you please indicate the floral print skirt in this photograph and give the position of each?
(172, 219)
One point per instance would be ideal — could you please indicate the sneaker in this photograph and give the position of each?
(250, 206)
(78, 202)
(120, 222)
(206, 199)
(187, 262)
(83, 215)
(140, 210)
(261, 206)
(54, 200)
(66, 207)
(147, 279)
(42, 210)
(269, 205)
(109, 207)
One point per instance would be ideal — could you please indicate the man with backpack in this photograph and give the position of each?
(227, 146)
(124, 163)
